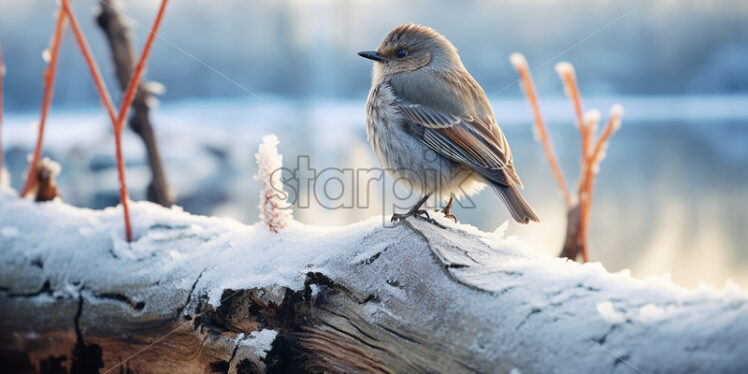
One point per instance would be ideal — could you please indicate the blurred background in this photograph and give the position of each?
(671, 196)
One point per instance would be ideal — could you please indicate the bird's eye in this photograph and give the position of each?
(401, 53)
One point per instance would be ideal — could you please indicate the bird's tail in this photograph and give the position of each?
(518, 207)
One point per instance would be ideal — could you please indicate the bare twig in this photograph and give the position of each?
(565, 71)
(133, 82)
(93, 67)
(125, 107)
(123, 55)
(129, 96)
(586, 186)
(106, 100)
(520, 63)
(578, 210)
(49, 82)
(140, 68)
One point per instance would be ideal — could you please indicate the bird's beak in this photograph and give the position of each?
(372, 55)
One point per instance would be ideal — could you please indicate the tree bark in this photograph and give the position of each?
(415, 298)
(123, 55)
(575, 243)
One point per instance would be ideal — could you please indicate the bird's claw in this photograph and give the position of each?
(415, 213)
(450, 215)
(447, 214)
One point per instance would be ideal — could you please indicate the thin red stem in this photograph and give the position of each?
(124, 109)
(49, 82)
(106, 100)
(139, 68)
(526, 76)
(101, 88)
(587, 183)
(569, 80)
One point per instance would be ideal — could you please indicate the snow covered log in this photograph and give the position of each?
(205, 294)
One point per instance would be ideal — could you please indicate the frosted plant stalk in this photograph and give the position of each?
(579, 206)
(275, 211)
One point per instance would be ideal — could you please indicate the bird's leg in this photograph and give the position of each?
(414, 211)
(447, 208)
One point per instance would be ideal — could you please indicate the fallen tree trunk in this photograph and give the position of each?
(199, 294)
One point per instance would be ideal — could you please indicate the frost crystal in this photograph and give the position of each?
(274, 209)
(46, 56)
(563, 68)
(616, 111)
(54, 167)
(518, 60)
(591, 119)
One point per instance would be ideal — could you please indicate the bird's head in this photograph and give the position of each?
(411, 47)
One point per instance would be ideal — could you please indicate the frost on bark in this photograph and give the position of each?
(203, 294)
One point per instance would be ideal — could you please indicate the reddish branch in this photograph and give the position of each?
(117, 33)
(101, 89)
(125, 107)
(566, 72)
(587, 183)
(49, 82)
(106, 100)
(520, 63)
(139, 68)
(117, 119)
(579, 210)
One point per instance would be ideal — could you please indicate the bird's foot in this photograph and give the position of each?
(446, 214)
(450, 215)
(446, 209)
(418, 213)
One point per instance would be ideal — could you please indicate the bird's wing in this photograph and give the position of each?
(477, 143)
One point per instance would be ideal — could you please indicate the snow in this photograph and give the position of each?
(616, 110)
(260, 342)
(518, 60)
(225, 244)
(9, 231)
(52, 166)
(592, 118)
(564, 68)
(651, 313)
(46, 56)
(609, 314)
(179, 244)
(536, 299)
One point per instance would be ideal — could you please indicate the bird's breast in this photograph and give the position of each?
(408, 159)
(381, 113)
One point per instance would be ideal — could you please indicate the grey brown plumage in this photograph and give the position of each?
(428, 95)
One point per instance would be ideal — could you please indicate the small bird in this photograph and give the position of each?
(431, 125)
